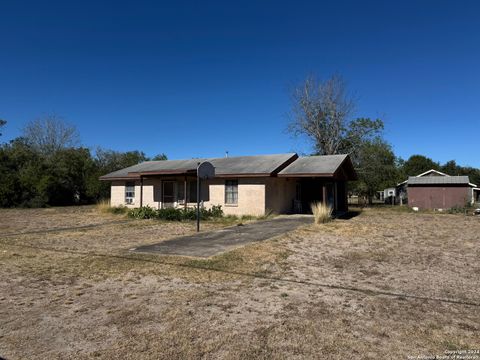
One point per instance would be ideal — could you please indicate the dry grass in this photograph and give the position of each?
(103, 206)
(313, 293)
(321, 212)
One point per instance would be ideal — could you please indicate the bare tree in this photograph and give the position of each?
(50, 134)
(2, 124)
(322, 111)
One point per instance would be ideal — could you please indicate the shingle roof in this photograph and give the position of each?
(262, 164)
(438, 180)
(314, 165)
(240, 165)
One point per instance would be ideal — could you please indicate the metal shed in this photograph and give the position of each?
(439, 192)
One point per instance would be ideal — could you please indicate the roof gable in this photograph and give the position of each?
(323, 165)
(428, 173)
(432, 172)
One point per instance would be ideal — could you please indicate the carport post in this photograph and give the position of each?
(185, 193)
(324, 191)
(141, 190)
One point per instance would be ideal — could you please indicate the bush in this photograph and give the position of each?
(468, 207)
(118, 210)
(216, 211)
(321, 212)
(172, 214)
(144, 212)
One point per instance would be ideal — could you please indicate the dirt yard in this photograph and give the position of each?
(385, 284)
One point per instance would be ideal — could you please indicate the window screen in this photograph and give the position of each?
(231, 192)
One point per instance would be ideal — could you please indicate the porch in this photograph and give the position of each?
(327, 191)
(169, 191)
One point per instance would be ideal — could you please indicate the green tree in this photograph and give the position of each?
(451, 168)
(69, 170)
(22, 174)
(418, 164)
(110, 160)
(376, 167)
(472, 173)
(46, 167)
(107, 161)
(160, 157)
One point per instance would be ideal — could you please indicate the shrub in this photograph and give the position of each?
(144, 212)
(118, 209)
(216, 211)
(468, 207)
(321, 212)
(172, 214)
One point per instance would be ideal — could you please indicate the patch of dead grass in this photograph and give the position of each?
(109, 303)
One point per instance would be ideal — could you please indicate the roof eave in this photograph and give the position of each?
(441, 184)
(306, 175)
(116, 178)
(167, 172)
(247, 175)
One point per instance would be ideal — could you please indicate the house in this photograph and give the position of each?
(401, 188)
(436, 190)
(476, 196)
(432, 192)
(244, 185)
(387, 195)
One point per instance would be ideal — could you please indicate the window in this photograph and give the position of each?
(231, 192)
(180, 192)
(129, 193)
(192, 191)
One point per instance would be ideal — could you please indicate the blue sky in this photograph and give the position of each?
(193, 79)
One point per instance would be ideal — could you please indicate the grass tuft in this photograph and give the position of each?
(103, 205)
(321, 212)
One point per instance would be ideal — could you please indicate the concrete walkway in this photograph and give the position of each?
(210, 243)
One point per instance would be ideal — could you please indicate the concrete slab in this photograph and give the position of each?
(210, 243)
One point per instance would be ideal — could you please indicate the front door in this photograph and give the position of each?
(168, 197)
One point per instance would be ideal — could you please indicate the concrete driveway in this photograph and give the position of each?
(210, 243)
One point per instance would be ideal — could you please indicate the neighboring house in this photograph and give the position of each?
(476, 196)
(434, 189)
(388, 195)
(245, 185)
(401, 189)
(439, 191)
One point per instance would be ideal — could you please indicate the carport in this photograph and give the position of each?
(320, 179)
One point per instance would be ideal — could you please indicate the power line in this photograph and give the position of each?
(364, 291)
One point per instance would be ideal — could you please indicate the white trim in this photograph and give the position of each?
(423, 174)
(473, 194)
(432, 170)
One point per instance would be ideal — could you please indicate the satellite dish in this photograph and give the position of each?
(205, 170)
